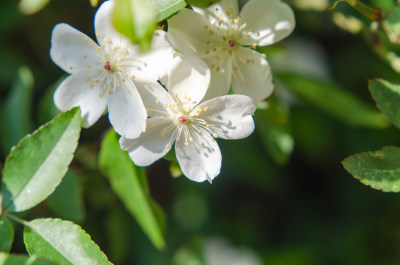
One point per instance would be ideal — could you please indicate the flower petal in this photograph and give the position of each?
(81, 90)
(253, 75)
(271, 21)
(150, 146)
(198, 162)
(224, 8)
(127, 113)
(187, 32)
(230, 116)
(154, 96)
(72, 50)
(220, 82)
(188, 78)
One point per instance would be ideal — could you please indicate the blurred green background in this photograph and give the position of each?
(282, 197)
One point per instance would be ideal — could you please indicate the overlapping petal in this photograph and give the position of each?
(150, 146)
(254, 77)
(230, 116)
(72, 50)
(127, 113)
(81, 89)
(267, 21)
(201, 159)
(223, 8)
(154, 96)
(220, 81)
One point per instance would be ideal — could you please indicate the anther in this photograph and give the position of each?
(186, 143)
(157, 101)
(84, 56)
(168, 147)
(191, 139)
(153, 125)
(215, 135)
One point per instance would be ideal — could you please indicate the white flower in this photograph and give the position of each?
(177, 116)
(226, 40)
(106, 74)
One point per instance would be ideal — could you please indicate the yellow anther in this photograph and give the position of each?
(168, 147)
(116, 47)
(199, 131)
(205, 26)
(98, 48)
(86, 39)
(207, 52)
(110, 91)
(157, 101)
(122, 58)
(118, 85)
(125, 52)
(88, 79)
(244, 82)
(191, 139)
(253, 46)
(211, 32)
(263, 55)
(165, 106)
(206, 108)
(108, 40)
(175, 95)
(101, 94)
(208, 125)
(215, 135)
(235, 77)
(202, 143)
(132, 77)
(217, 69)
(90, 44)
(236, 20)
(161, 118)
(178, 139)
(186, 143)
(88, 67)
(123, 80)
(153, 125)
(97, 35)
(84, 56)
(189, 99)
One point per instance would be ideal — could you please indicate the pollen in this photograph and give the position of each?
(215, 135)
(84, 56)
(168, 147)
(186, 143)
(153, 125)
(191, 139)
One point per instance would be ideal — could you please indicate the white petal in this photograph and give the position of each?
(76, 90)
(72, 50)
(187, 32)
(254, 77)
(215, 11)
(127, 113)
(159, 58)
(199, 163)
(188, 78)
(230, 116)
(273, 19)
(220, 82)
(150, 146)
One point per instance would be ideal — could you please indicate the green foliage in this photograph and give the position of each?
(10, 259)
(387, 97)
(62, 242)
(6, 234)
(392, 26)
(201, 3)
(166, 8)
(379, 169)
(38, 163)
(71, 208)
(127, 182)
(15, 113)
(30, 7)
(136, 19)
(335, 101)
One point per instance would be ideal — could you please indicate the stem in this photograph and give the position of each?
(374, 14)
(16, 219)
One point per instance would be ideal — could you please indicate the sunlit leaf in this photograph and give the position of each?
(126, 180)
(62, 242)
(335, 101)
(379, 169)
(37, 164)
(387, 97)
(166, 8)
(11, 259)
(15, 114)
(67, 200)
(30, 7)
(136, 19)
(6, 234)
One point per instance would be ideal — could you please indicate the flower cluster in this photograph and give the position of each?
(163, 98)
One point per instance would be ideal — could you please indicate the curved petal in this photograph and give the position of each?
(220, 81)
(126, 111)
(83, 90)
(149, 146)
(188, 31)
(188, 79)
(271, 21)
(72, 50)
(254, 77)
(225, 8)
(154, 96)
(230, 116)
(201, 159)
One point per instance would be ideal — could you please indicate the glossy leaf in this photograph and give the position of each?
(62, 242)
(379, 169)
(6, 234)
(126, 180)
(38, 163)
(15, 114)
(135, 19)
(387, 97)
(166, 8)
(335, 101)
(67, 200)
(11, 259)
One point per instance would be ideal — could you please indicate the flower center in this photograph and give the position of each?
(232, 43)
(107, 66)
(182, 119)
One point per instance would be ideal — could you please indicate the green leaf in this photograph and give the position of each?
(335, 101)
(135, 19)
(11, 259)
(379, 169)
(37, 164)
(15, 114)
(166, 8)
(387, 97)
(30, 7)
(126, 180)
(202, 3)
(62, 242)
(6, 234)
(392, 26)
(67, 199)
